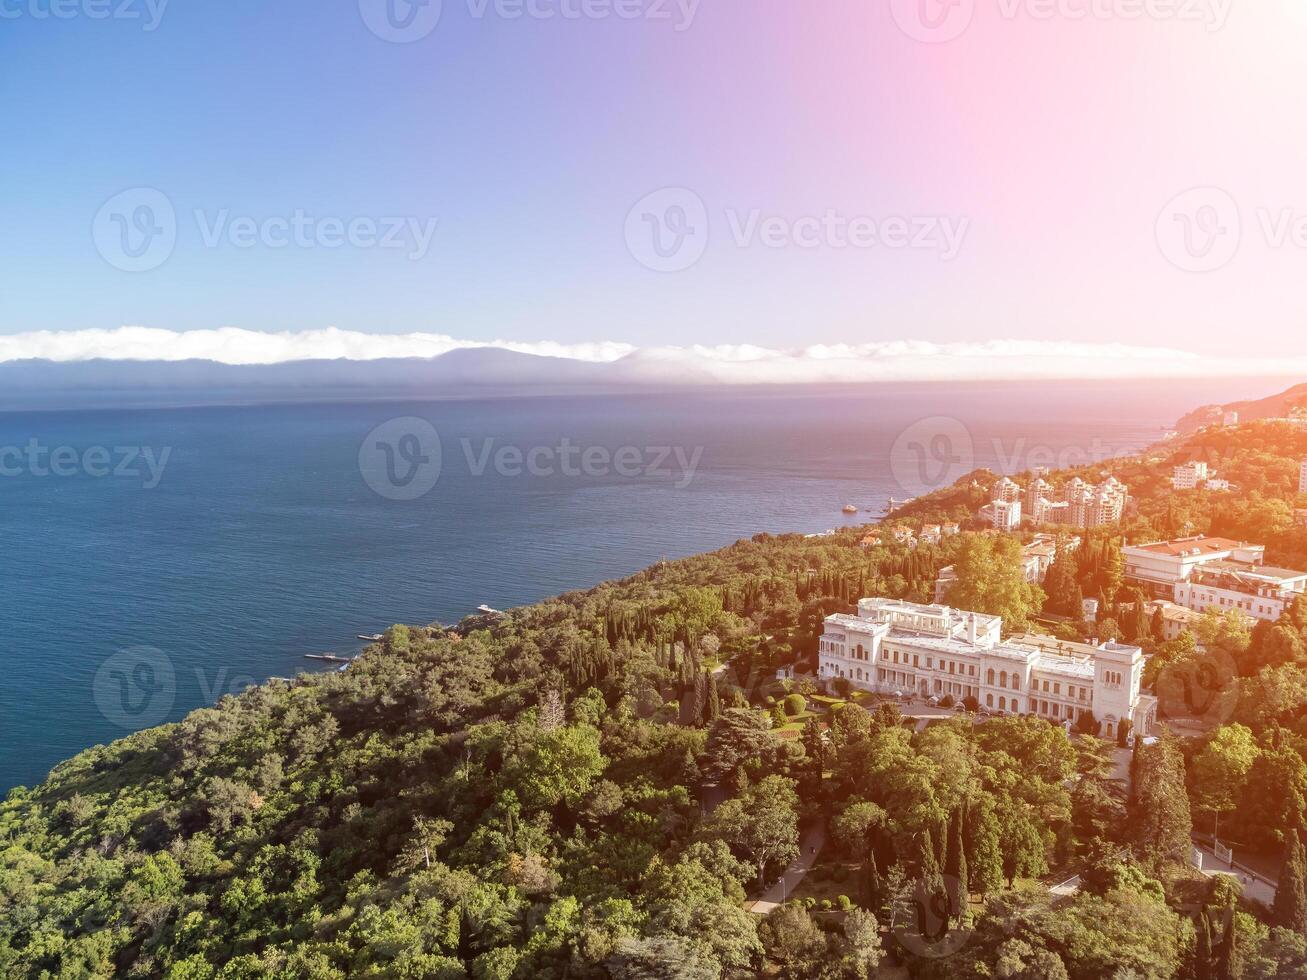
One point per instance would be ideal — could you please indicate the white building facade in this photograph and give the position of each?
(1007, 515)
(1189, 476)
(896, 647)
(1205, 574)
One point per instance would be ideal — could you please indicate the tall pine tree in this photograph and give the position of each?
(1290, 907)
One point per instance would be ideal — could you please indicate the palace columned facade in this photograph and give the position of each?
(897, 647)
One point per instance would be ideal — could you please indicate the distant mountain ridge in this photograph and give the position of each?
(494, 371)
(1271, 407)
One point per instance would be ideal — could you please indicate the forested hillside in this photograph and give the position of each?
(596, 786)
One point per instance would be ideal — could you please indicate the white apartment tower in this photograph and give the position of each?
(1189, 475)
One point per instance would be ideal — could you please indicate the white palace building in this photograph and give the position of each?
(896, 647)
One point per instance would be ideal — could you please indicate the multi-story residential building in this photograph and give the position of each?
(930, 534)
(1006, 490)
(1259, 591)
(1158, 566)
(950, 528)
(1056, 512)
(1081, 505)
(1192, 476)
(1110, 499)
(1302, 476)
(896, 647)
(1038, 495)
(1206, 573)
(1189, 475)
(1006, 515)
(1097, 506)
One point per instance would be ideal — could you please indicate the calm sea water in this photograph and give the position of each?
(123, 605)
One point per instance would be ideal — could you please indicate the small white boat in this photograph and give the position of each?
(850, 509)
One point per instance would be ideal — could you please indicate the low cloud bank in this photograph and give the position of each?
(618, 362)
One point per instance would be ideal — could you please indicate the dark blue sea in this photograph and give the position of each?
(156, 559)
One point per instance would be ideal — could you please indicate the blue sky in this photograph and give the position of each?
(529, 140)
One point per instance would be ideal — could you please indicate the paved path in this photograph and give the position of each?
(809, 847)
(1255, 886)
(1066, 888)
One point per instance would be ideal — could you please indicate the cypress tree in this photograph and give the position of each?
(690, 774)
(1228, 965)
(1160, 811)
(986, 864)
(1136, 765)
(953, 849)
(955, 865)
(872, 883)
(1290, 908)
(1077, 604)
(814, 748)
(928, 863)
(1203, 950)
